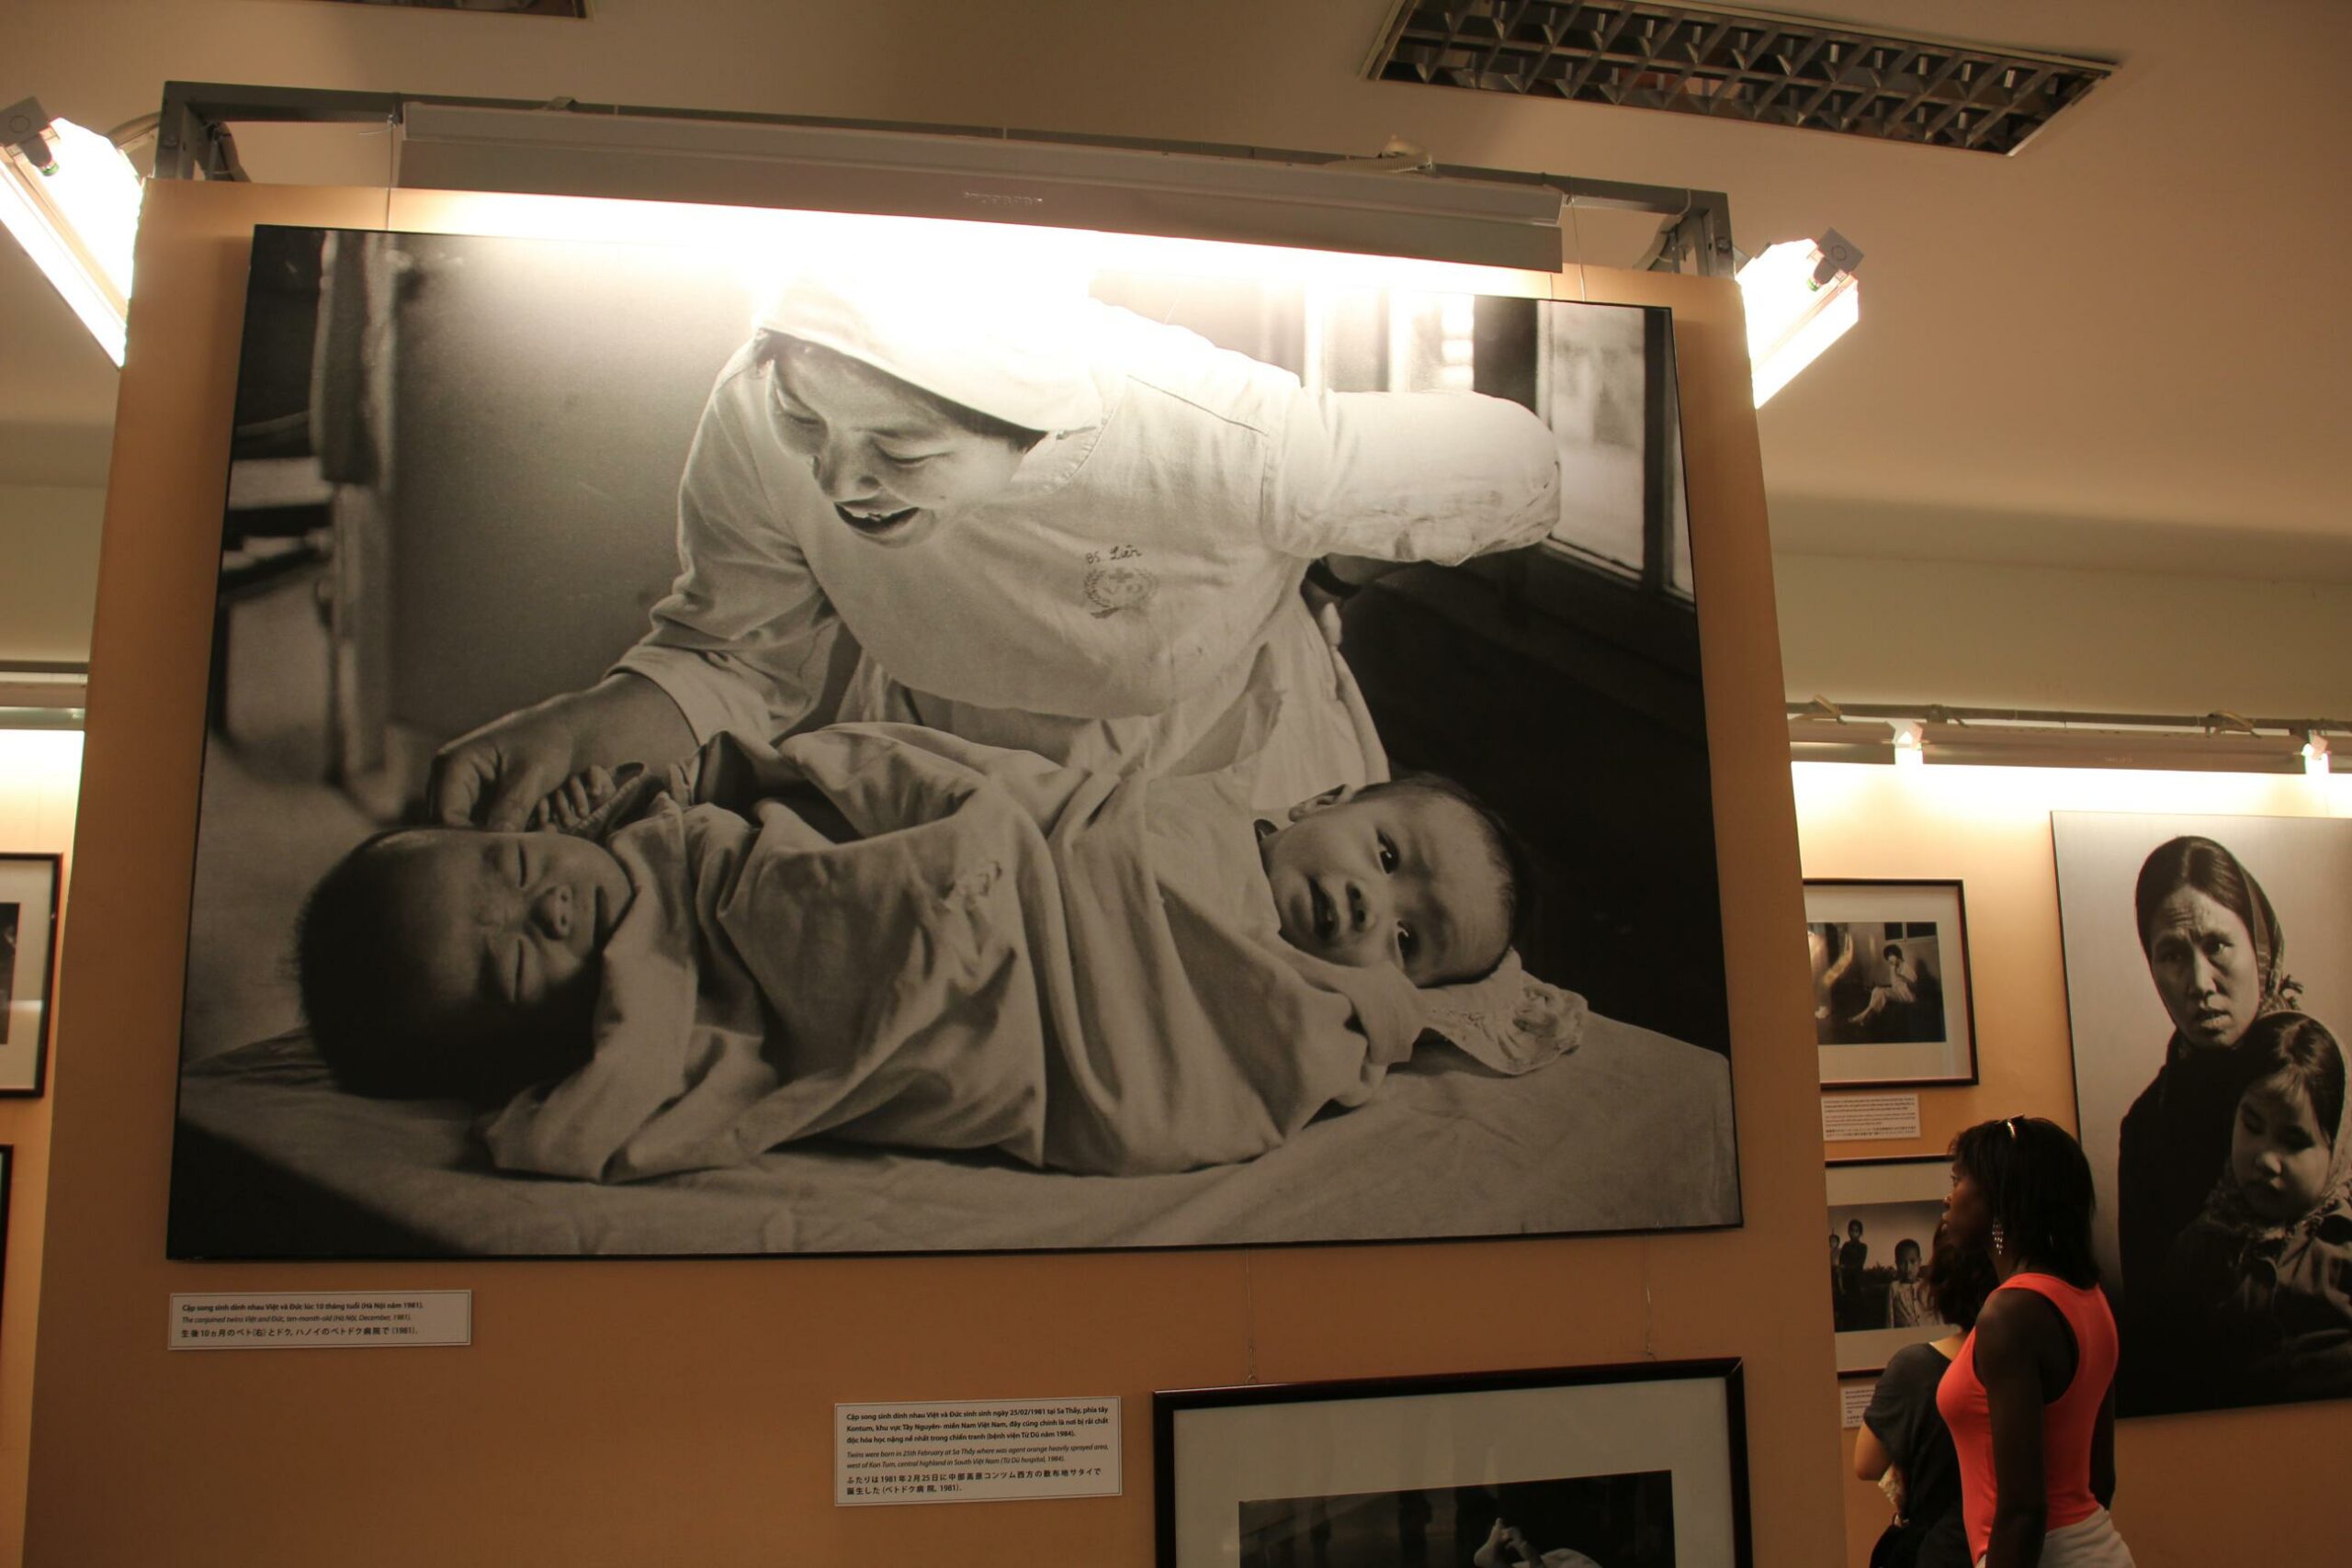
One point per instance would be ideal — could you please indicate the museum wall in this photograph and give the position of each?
(681, 1410)
(2187, 1485)
(49, 537)
(39, 770)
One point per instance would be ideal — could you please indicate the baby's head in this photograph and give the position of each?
(448, 961)
(1417, 873)
(2282, 1144)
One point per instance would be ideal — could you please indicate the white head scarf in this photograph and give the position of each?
(998, 326)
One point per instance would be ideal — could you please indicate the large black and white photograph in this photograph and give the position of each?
(1882, 1220)
(1576, 1521)
(1639, 1466)
(29, 884)
(904, 737)
(2209, 981)
(1891, 993)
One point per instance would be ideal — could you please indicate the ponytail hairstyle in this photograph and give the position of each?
(2033, 1174)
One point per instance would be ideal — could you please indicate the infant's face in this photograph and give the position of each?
(2278, 1152)
(495, 926)
(1399, 877)
(894, 467)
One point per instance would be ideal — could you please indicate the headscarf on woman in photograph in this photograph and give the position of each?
(954, 490)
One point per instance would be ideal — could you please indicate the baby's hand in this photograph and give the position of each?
(569, 807)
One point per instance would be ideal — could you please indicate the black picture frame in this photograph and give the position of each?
(31, 888)
(1909, 1181)
(1367, 1413)
(1859, 1031)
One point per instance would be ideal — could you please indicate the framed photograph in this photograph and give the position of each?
(1882, 1219)
(2209, 983)
(511, 467)
(29, 891)
(1641, 1466)
(1889, 983)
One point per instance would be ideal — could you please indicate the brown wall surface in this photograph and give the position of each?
(660, 1412)
(2190, 1488)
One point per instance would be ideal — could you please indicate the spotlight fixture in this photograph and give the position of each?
(71, 200)
(1801, 297)
(1910, 742)
(2316, 755)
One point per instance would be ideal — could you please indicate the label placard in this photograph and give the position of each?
(1856, 1398)
(314, 1320)
(987, 1450)
(1868, 1117)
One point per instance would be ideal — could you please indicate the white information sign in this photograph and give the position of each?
(1867, 1117)
(309, 1320)
(976, 1451)
(1856, 1398)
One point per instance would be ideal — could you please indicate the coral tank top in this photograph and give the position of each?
(2067, 1421)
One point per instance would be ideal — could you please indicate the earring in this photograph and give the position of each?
(2000, 1239)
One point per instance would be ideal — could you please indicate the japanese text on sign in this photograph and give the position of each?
(976, 1451)
(297, 1320)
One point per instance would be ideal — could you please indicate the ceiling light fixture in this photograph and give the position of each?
(1801, 297)
(71, 200)
(2316, 754)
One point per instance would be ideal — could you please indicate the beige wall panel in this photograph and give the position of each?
(640, 1412)
(2187, 1485)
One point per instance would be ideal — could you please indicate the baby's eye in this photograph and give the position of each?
(906, 460)
(1389, 856)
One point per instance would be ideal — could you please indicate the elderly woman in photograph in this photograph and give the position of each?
(2216, 955)
(954, 490)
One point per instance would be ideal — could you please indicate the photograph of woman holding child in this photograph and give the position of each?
(2221, 1182)
(987, 801)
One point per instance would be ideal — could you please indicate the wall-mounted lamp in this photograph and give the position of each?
(1801, 297)
(1910, 742)
(2316, 754)
(71, 200)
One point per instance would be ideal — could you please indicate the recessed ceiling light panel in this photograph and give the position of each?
(1732, 65)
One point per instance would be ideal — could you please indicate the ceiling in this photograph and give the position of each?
(2123, 348)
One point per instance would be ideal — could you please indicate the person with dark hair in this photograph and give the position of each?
(973, 497)
(2030, 1398)
(1903, 1444)
(1897, 990)
(1910, 1300)
(1853, 1262)
(2216, 955)
(2264, 1276)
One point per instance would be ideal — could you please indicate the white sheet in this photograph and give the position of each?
(1632, 1132)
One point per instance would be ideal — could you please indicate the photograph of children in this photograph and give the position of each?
(808, 748)
(1585, 1521)
(2209, 983)
(7, 965)
(1891, 1002)
(1882, 1219)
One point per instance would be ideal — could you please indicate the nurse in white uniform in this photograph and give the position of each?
(1027, 518)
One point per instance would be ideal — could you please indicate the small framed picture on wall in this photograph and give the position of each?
(1641, 1466)
(1882, 1218)
(29, 885)
(1891, 1002)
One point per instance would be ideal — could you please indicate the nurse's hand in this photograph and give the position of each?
(496, 775)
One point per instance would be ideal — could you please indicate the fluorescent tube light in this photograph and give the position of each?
(71, 200)
(1801, 297)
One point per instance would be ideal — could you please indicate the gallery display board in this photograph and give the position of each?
(683, 1410)
(1991, 828)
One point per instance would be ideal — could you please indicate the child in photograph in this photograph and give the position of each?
(1896, 990)
(2263, 1277)
(886, 934)
(1909, 1303)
